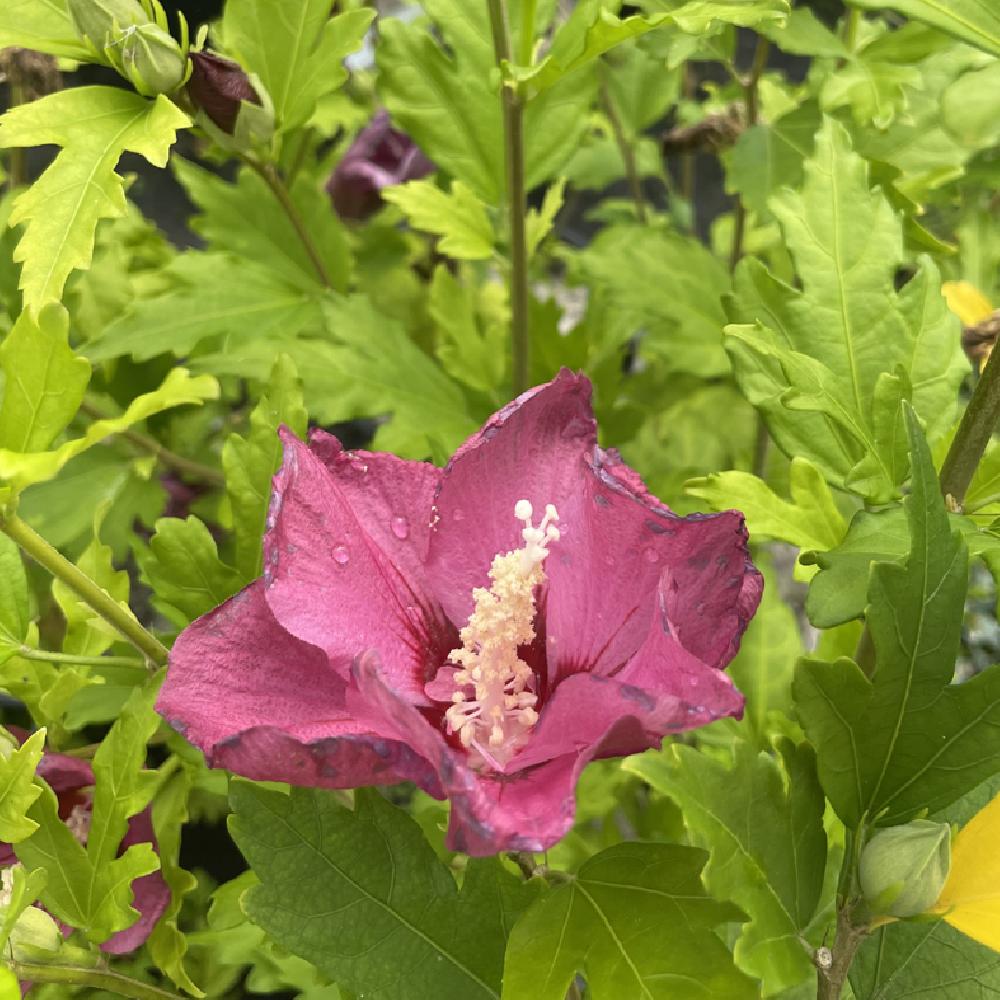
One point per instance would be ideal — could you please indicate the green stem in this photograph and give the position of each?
(973, 435)
(751, 113)
(517, 201)
(28, 653)
(101, 979)
(851, 22)
(85, 588)
(186, 466)
(270, 176)
(527, 51)
(627, 151)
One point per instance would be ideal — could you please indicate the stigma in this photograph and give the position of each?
(493, 704)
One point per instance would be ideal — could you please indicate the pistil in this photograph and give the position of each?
(493, 705)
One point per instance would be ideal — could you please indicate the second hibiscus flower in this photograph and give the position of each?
(485, 630)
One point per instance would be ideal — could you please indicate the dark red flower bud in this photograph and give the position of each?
(217, 86)
(379, 157)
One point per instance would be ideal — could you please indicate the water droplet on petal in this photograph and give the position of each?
(652, 556)
(458, 515)
(400, 528)
(341, 556)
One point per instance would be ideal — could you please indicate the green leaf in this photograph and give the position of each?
(18, 789)
(471, 349)
(974, 21)
(42, 25)
(589, 32)
(667, 285)
(361, 895)
(769, 156)
(61, 210)
(63, 509)
(87, 633)
(764, 666)
(14, 617)
(839, 591)
(179, 388)
(458, 217)
(182, 566)
(44, 381)
(827, 365)
(810, 521)
(907, 739)
(251, 461)
(538, 222)
(453, 116)
(296, 49)
(95, 899)
(216, 294)
(244, 218)
(636, 922)
(920, 959)
(167, 944)
(592, 30)
(122, 787)
(25, 889)
(451, 106)
(804, 34)
(762, 823)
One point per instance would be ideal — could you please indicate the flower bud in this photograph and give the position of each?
(903, 869)
(380, 156)
(150, 59)
(102, 21)
(218, 86)
(235, 108)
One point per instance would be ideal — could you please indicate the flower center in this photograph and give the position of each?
(493, 705)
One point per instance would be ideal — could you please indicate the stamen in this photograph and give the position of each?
(495, 717)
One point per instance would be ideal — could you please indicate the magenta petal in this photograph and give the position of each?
(236, 668)
(65, 774)
(390, 496)
(151, 893)
(620, 545)
(532, 449)
(338, 576)
(268, 706)
(663, 690)
(381, 740)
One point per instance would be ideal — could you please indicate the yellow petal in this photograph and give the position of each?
(970, 900)
(966, 301)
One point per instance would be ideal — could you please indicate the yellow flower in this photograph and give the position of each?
(966, 301)
(970, 900)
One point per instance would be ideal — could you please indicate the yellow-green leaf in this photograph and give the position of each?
(61, 210)
(178, 389)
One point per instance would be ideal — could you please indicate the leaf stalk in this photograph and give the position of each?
(87, 590)
(101, 979)
(185, 466)
(29, 653)
(268, 173)
(627, 151)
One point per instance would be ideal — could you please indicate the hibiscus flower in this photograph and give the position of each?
(379, 157)
(483, 630)
(72, 780)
